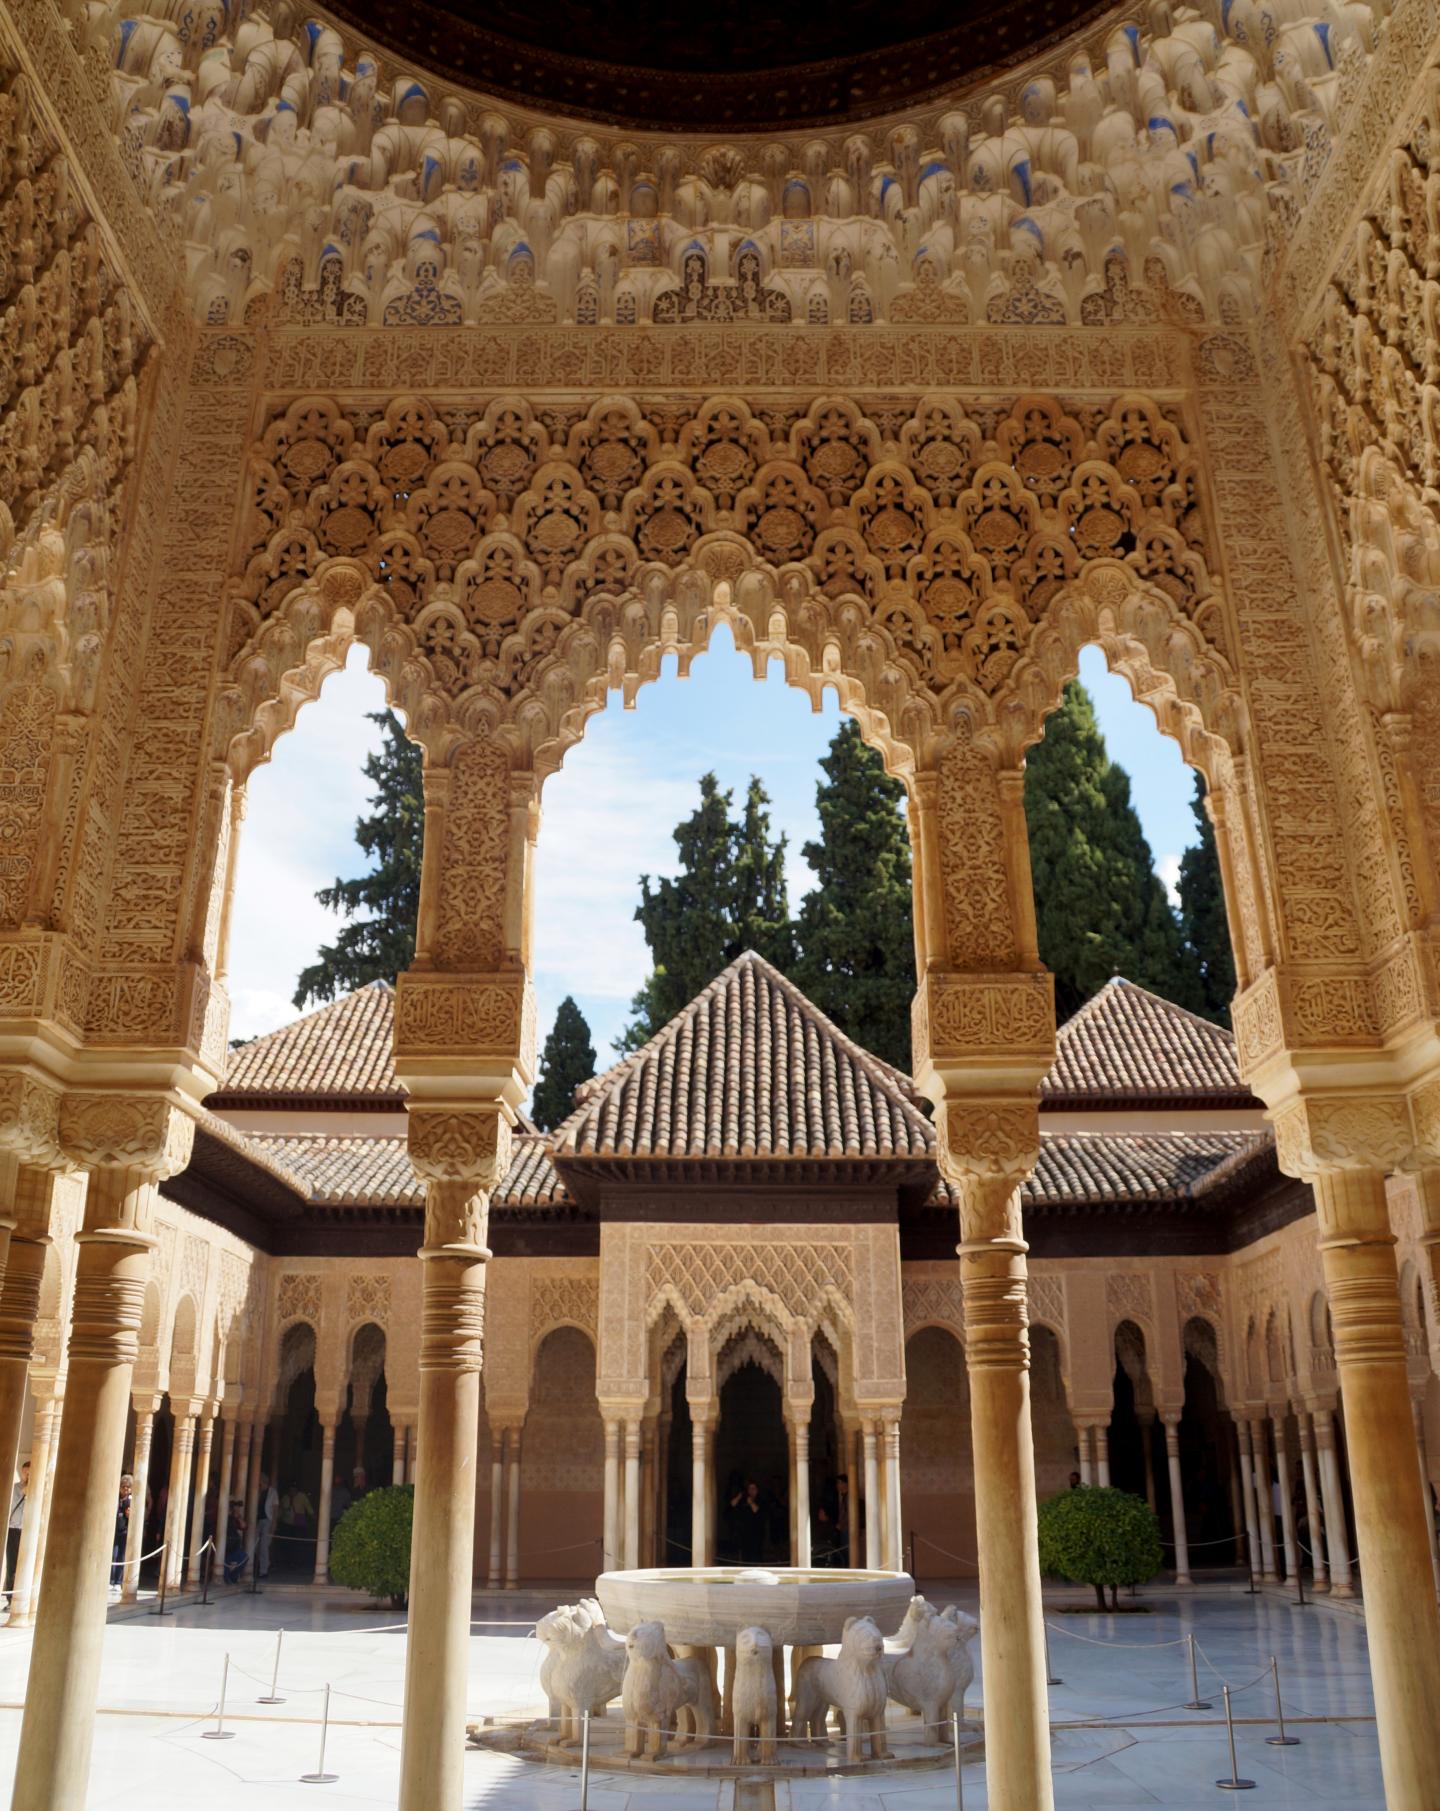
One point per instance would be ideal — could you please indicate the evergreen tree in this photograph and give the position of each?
(1101, 909)
(567, 1060)
(376, 947)
(855, 932)
(1202, 916)
(729, 896)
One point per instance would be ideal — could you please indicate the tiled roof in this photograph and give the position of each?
(1082, 1168)
(1127, 1042)
(531, 1180)
(750, 1068)
(340, 1172)
(343, 1050)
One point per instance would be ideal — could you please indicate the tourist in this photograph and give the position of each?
(122, 1530)
(1075, 1480)
(358, 1486)
(832, 1524)
(749, 1512)
(16, 1523)
(340, 1501)
(235, 1554)
(267, 1515)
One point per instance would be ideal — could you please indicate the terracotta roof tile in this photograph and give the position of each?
(531, 1180)
(343, 1172)
(750, 1068)
(343, 1049)
(1127, 1041)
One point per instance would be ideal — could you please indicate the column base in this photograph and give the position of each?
(1183, 1578)
(1342, 1590)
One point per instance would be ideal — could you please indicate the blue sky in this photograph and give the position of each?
(608, 817)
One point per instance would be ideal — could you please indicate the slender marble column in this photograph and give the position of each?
(874, 1552)
(145, 1407)
(613, 1543)
(229, 1437)
(1401, 1620)
(1102, 1454)
(1319, 1573)
(199, 1494)
(631, 1542)
(496, 1576)
(1287, 1505)
(1147, 1449)
(802, 1493)
(1247, 1494)
(112, 1265)
(1332, 1493)
(512, 1512)
(894, 1520)
(1264, 1501)
(699, 1492)
(252, 1488)
(27, 1576)
(855, 1466)
(712, 1491)
(397, 1462)
(327, 1490)
(1082, 1452)
(182, 1456)
(1177, 1499)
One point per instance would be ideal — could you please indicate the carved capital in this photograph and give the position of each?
(30, 1120)
(469, 1144)
(1004, 1020)
(1316, 1134)
(1425, 1123)
(987, 1138)
(478, 1018)
(145, 1133)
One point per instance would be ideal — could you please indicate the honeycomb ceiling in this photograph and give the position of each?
(750, 65)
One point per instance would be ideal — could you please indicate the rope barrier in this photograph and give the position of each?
(1139, 1646)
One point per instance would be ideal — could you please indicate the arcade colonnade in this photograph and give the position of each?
(1220, 467)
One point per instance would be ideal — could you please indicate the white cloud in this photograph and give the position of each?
(1168, 868)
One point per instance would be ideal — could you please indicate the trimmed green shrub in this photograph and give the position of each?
(1099, 1537)
(370, 1548)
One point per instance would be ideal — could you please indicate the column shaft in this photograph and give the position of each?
(27, 1563)
(1177, 1499)
(199, 1495)
(803, 1555)
(327, 1497)
(874, 1553)
(512, 1512)
(19, 1304)
(1012, 1629)
(613, 1546)
(496, 1577)
(229, 1432)
(252, 1488)
(397, 1461)
(1315, 1521)
(1427, 1502)
(631, 1542)
(181, 1456)
(1147, 1447)
(1247, 1494)
(1287, 1504)
(1082, 1452)
(140, 1472)
(1332, 1493)
(894, 1520)
(1102, 1454)
(53, 1767)
(699, 1493)
(432, 1754)
(1402, 1623)
(1264, 1503)
(854, 1465)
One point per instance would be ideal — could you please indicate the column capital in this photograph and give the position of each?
(990, 1033)
(1319, 1134)
(128, 1142)
(30, 1119)
(460, 1152)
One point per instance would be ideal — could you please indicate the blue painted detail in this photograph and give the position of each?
(933, 169)
(313, 29)
(1021, 169)
(886, 184)
(1322, 32)
(128, 28)
(1158, 123)
(1028, 226)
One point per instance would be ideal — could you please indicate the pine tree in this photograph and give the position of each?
(377, 947)
(1202, 915)
(729, 896)
(567, 1060)
(1101, 909)
(855, 932)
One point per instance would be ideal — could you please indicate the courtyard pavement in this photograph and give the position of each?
(1122, 1737)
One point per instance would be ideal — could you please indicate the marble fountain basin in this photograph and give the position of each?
(707, 1606)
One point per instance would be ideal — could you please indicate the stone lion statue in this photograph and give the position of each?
(659, 1690)
(854, 1683)
(583, 1668)
(754, 1701)
(932, 1675)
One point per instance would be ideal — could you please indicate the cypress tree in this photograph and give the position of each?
(567, 1060)
(376, 947)
(1202, 916)
(1101, 909)
(855, 932)
(728, 896)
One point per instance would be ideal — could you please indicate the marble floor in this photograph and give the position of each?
(1122, 1736)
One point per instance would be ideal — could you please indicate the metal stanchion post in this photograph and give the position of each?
(1196, 1701)
(1050, 1678)
(220, 1733)
(584, 1760)
(320, 1777)
(959, 1778)
(205, 1574)
(1234, 1783)
(274, 1697)
(1252, 1591)
(1279, 1739)
(160, 1609)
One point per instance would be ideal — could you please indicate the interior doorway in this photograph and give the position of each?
(751, 1449)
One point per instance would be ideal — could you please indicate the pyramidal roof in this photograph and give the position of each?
(343, 1051)
(749, 1069)
(1126, 1044)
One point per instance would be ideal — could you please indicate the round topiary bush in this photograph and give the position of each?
(1099, 1537)
(370, 1547)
